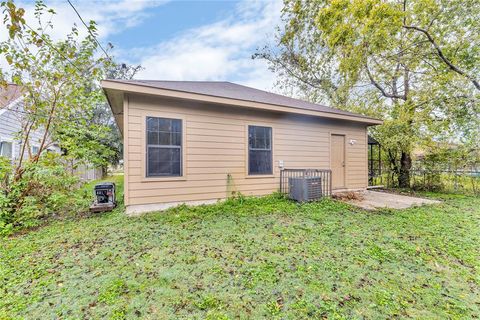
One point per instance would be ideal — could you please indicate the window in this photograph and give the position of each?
(164, 147)
(6, 149)
(259, 150)
(34, 150)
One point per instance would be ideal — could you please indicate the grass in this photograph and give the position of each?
(250, 258)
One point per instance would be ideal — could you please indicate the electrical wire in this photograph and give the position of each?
(89, 31)
(54, 48)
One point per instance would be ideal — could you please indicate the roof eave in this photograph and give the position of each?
(151, 90)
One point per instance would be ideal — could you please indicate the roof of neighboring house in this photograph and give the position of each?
(9, 94)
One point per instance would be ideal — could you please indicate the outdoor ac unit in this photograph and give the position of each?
(305, 188)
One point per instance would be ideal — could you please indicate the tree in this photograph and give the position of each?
(412, 63)
(59, 78)
(60, 83)
(102, 128)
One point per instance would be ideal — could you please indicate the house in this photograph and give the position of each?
(190, 142)
(12, 118)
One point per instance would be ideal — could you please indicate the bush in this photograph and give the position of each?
(45, 189)
(427, 180)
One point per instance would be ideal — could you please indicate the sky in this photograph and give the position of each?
(179, 39)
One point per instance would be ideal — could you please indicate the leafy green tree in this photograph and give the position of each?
(79, 143)
(412, 63)
(59, 78)
(61, 98)
(103, 114)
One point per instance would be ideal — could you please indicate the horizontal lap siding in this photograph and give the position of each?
(215, 147)
(10, 127)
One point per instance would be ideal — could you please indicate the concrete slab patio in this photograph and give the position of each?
(375, 200)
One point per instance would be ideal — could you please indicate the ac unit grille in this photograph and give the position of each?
(305, 188)
(314, 188)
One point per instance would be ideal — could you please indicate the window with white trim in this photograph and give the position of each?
(6, 149)
(259, 150)
(164, 147)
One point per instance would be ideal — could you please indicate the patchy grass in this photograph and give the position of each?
(250, 258)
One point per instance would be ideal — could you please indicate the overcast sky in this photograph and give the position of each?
(180, 40)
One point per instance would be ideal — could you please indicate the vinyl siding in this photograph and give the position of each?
(11, 125)
(215, 145)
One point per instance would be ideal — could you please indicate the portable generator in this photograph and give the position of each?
(104, 194)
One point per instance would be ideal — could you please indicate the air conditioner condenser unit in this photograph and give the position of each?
(305, 188)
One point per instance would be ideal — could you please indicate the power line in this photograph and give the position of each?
(89, 31)
(54, 48)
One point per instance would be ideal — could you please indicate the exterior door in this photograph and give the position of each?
(337, 159)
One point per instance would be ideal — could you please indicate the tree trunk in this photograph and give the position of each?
(405, 167)
(104, 171)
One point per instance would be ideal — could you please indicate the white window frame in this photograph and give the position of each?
(13, 146)
(34, 146)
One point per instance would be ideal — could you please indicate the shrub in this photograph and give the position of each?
(428, 180)
(45, 189)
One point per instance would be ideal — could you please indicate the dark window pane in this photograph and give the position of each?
(164, 147)
(177, 139)
(175, 154)
(164, 124)
(260, 150)
(260, 142)
(152, 137)
(260, 162)
(152, 124)
(165, 168)
(176, 168)
(163, 161)
(164, 138)
(176, 126)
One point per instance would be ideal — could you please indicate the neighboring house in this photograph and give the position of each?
(11, 114)
(185, 142)
(11, 118)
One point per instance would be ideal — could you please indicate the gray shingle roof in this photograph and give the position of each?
(9, 94)
(239, 92)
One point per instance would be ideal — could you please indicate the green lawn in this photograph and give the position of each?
(250, 258)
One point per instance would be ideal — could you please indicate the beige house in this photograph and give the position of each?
(196, 142)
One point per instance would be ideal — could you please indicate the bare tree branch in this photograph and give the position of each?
(442, 56)
(382, 90)
(287, 69)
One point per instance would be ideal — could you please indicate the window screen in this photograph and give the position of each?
(259, 150)
(164, 147)
(6, 149)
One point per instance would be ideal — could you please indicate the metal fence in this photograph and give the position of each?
(325, 176)
(456, 181)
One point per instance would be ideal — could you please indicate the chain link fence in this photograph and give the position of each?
(453, 181)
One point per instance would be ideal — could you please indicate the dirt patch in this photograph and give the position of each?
(349, 195)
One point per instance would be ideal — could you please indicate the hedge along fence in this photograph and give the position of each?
(467, 182)
(454, 181)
